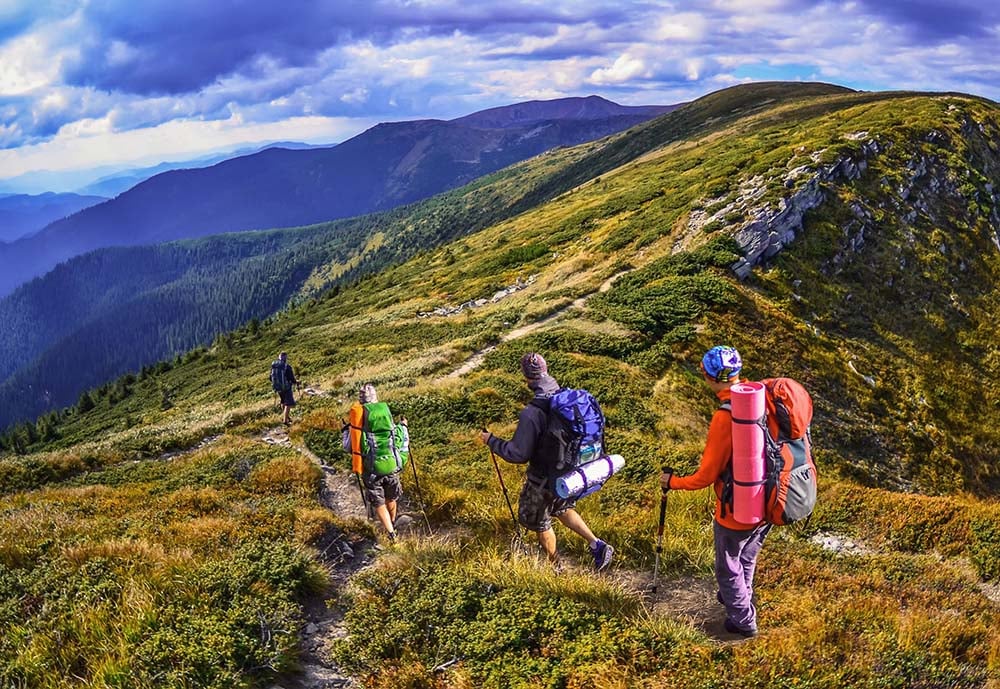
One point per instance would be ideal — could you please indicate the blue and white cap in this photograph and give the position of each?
(722, 363)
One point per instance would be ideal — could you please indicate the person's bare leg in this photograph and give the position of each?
(547, 539)
(391, 506)
(382, 512)
(574, 522)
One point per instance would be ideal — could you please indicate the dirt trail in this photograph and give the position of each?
(343, 558)
(474, 361)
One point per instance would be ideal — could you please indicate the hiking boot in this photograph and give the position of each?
(602, 553)
(718, 597)
(733, 629)
(392, 537)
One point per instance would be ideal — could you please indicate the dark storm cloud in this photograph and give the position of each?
(172, 47)
(936, 22)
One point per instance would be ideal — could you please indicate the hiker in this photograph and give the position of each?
(736, 545)
(282, 381)
(379, 449)
(538, 502)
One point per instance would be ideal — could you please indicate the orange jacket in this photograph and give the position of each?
(717, 455)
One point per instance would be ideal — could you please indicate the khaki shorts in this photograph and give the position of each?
(382, 489)
(538, 504)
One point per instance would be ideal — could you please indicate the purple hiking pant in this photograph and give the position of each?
(735, 561)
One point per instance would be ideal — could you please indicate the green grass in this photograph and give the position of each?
(907, 611)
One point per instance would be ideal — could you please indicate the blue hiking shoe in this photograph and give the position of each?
(602, 553)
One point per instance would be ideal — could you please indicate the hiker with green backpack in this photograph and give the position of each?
(379, 450)
(786, 491)
(533, 445)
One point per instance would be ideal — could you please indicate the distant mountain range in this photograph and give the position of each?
(122, 180)
(111, 180)
(23, 214)
(116, 309)
(386, 166)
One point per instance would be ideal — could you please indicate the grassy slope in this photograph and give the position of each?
(830, 621)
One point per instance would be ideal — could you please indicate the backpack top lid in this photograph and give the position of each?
(789, 408)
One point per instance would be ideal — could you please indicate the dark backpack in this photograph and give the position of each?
(790, 482)
(574, 432)
(279, 377)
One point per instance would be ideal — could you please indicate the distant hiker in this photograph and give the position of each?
(538, 502)
(737, 545)
(282, 382)
(379, 450)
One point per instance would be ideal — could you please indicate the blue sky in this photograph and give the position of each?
(86, 83)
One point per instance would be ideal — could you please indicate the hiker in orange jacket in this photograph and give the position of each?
(737, 545)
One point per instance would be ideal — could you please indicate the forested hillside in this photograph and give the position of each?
(66, 321)
(389, 165)
(849, 240)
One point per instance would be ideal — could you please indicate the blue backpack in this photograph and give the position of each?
(575, 431)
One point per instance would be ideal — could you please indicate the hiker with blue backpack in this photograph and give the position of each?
(282, 382)
(535, 444)
(783, 490)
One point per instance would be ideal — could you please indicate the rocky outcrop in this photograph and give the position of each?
(476, 303)
(770, 228)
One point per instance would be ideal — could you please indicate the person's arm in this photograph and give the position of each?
(718, 452)
(520, 448)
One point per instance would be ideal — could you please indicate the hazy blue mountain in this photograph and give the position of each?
(23, 214)
(122, 180)
(386, 166)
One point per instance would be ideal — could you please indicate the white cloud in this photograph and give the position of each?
(684, 26)
(24, 66)
(467, 57)
(78, 145)
(356, 97)
(625, 68)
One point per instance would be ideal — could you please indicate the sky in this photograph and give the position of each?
(125, 83)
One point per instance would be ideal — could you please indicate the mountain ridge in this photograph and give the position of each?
(23, 214)
(283, 187)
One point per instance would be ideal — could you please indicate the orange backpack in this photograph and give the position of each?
(790, 474)
(789, 471)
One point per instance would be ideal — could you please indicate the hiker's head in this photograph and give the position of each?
(283, 357)
(722, 364)
(536, 374)
(533, 366)
(366, 394)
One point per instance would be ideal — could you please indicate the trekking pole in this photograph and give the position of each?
(659, 536)
(503, 487)
(420, 496)
(364, 500)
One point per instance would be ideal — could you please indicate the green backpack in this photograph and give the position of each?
(385, 447)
